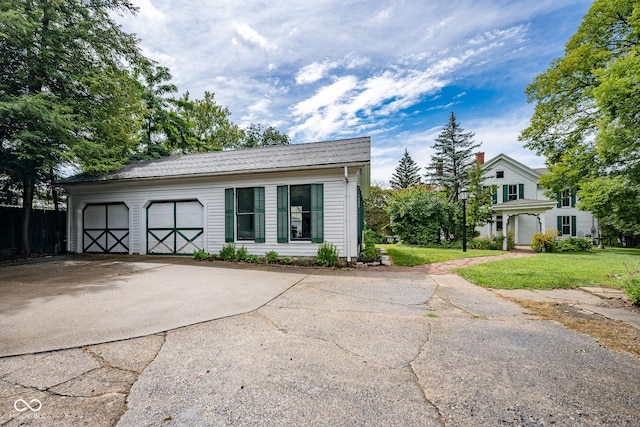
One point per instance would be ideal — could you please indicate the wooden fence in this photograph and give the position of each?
(48, 231)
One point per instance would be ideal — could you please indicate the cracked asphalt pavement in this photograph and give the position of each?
(338, 348)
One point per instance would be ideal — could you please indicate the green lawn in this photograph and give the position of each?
(410, 256)
(551, 270)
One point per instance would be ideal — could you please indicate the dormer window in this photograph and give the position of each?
(499, 174)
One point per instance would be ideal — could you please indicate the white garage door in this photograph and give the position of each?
(175, 227)
(105, 228)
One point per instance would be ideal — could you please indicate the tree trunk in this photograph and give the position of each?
(27, 201)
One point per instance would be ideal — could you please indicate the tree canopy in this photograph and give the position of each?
(75, 90)
(453, 158)
(587, 106)
(407, 173)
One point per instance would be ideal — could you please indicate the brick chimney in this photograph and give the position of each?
(480, 157)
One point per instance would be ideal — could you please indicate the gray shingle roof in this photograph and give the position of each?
(263, 159)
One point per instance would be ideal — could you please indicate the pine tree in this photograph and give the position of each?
(453, 158)
(406, 174)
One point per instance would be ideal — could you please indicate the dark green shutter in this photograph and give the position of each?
(559, 226)
(573, 200)
(494, 194)
(559, 200)
(505, 193)
(520, 191)
(283, 214)
(258, 214)
(228, 215)
(573, 226)
(317, 213)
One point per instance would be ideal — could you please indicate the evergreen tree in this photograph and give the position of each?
(66, 91)
(454, 156)
(406, 174)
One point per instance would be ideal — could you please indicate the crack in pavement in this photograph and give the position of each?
(423, 392)
(107, 385)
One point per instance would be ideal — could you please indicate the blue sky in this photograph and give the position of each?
(393, 70)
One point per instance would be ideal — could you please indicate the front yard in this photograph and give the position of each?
(410, 256)
(555, 270)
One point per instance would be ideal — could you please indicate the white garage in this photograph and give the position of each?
(285, 199)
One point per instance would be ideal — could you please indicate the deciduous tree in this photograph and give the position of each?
(64, 89)
(585, 120)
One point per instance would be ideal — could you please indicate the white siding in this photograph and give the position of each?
(210, 193)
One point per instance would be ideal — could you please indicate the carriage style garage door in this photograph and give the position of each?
(105, 228)
(175, 227)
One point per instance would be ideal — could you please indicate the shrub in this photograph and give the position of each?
(574, 244)
(228, 252)
(272, 257)
(254, 259)
(241, 254)
(487, 243)
(544, 242)
(200, 255)
(327, 254)
(374, 236)
(286, 260)
(420, 216)
(370, 253)
(631, 286)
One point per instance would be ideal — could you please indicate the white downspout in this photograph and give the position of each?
(347, 216)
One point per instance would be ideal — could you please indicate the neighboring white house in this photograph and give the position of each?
(521, 206)
(286, 199)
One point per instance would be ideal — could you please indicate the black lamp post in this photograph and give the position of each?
(464, 195)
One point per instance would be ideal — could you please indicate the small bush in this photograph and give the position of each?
(272, 257)
(574, 244)
(374, 236)
(200, 255)
(242, 254)
(228, 252)
(486, 243)
(286, 260)
(370, 253)
(490, 243)
(544, 242)
(254, 259)
(327, 255)
(630, 282)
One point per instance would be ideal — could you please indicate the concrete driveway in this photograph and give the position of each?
(86, 300)
(338, 348)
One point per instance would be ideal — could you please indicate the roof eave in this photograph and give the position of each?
(216, 174)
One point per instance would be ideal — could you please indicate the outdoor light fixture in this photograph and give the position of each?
(464, 195)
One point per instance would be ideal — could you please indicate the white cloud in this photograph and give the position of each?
(315, 71)
(251, 36)
(331, 68)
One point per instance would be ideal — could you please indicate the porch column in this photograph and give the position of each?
(543, 226)
(516, 227)
(505, 231)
